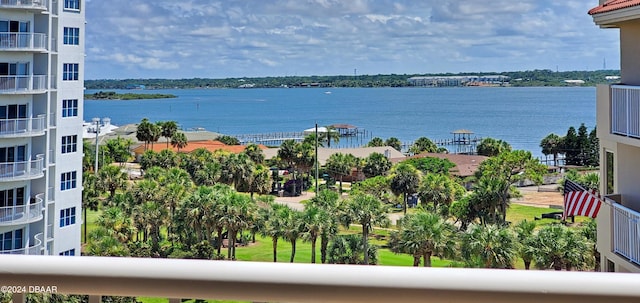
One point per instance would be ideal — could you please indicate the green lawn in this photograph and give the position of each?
(517, 213)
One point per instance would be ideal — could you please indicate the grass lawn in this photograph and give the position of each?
(517, 213)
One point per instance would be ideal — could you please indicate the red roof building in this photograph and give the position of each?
(613, 5)
(210, 145)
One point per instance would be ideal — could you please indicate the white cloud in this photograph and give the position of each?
(194, 38)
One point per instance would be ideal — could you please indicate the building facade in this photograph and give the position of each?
(618, 120)
(41, 96)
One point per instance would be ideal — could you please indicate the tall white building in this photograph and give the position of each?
(41, 96)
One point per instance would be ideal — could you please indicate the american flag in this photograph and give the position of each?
(579, 201)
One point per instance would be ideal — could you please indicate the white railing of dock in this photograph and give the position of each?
(626, 232)
(625, 110)
(283, 282)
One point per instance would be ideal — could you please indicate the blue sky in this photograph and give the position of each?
(254, 38)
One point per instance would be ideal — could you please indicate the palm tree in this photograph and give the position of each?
(439, 189)
(330, 134)
(347, 249)
(155, 131)
(110, 179)
(179, 140)
(168, 129)
(144, 132)
(328, 201)
(275, 225)
(236, 213)
(491, 147)
(489, 246)
(557, 246)
(376, 165)
(209, 174)
(90, 197)
(366, 210)
(551, 145)
(394, 142)
(255, 153)
(339, 165)
(315, 221)
(423, 144)
(260, 180)
(424, 234)
(405, 180)
(375, 142)
(525, 233)
(293, 230)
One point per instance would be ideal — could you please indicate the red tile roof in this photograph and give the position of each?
(209, 145)
(613, 5)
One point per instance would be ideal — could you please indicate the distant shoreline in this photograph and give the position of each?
(126, 96)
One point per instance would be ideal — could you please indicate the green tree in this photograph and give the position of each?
(593, 149)
(228, 140)
(439, 189)
(340, 165)
(347, 249)
(571, 147)
(275, 225)
(405, 180)
(315, 222)
(376, 165)
(179, 140)
(367, 211)
(376, 142)
(110, 179)
(491, 147)
(260, 180)
(168, 129)
(394, 142)
(557, 247)
(293, 230)
(423, 235)
(90, 197)
(254, 152)
(329, 135)
(423, 144)
(144, 132)
(525, 234)
(237, 212)
(489, 246)
(551, 145)
(118, 149)
(326, 200)
(431, 165)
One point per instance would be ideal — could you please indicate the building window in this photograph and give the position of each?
(70, 71)
(11, 198)
(609, 173)
(13, 154)
(72, 4)
(70, 108)
(71, 36)
(11, 240)
(70, 252)
(67, 216)
(68, 180)
(69, 144)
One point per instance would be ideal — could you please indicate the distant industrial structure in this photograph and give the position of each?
(444, 81)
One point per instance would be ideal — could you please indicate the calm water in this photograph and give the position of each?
(521, 116)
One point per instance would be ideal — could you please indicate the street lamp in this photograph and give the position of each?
(97, 122)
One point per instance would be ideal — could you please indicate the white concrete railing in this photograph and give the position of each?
(23, 41)
(625, 110)
(22, 214)
(22, 170)
(284, 282)
(22, 127)
(19, 84)
(35, 4)
(626, 232)
(35, 249)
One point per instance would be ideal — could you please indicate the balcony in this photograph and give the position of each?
(24, 127)
(625, 110)
(22, 214)
(24, 170)
(626, 232)
(23, 42)
(30, 84)
(34, 248)
(33, 5)
(283, 282)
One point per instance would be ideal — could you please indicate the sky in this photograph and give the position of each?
(257, 38)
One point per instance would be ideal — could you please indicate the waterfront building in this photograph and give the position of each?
(41, 96)
(618, 120)
(444, 81)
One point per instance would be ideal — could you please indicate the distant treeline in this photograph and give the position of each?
(128, 96)
(520, 78)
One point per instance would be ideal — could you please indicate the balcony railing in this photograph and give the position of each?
(283, 282)
(25, 4)
(22, 84)
(23, 41)
(24, 127)
(22, 214)
(23, 170)
(51, 197)
(49, 231)
(625, 110)
(626, 233)
(34, 248)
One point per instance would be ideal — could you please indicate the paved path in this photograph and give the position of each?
(294, 202)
